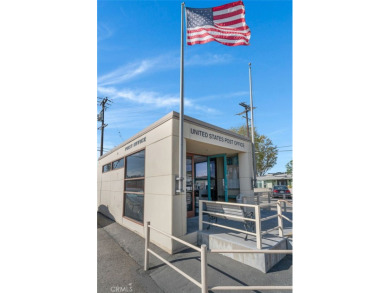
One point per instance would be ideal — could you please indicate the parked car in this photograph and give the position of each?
(280, 191)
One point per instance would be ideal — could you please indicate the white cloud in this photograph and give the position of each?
(136, 68)
(132, 118)
(103, 32)
(125, 73)
(151, 98)
(141, 97)
(163, 62)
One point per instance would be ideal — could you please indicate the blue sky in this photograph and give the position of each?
(138, 67)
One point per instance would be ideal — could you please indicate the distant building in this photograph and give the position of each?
(272, 179)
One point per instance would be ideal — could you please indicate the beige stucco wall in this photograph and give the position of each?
(246, 173)
(162, 207)
(158, 183)
(110, 190)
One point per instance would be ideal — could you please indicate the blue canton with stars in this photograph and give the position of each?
(199, 17)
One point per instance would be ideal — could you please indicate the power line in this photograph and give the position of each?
(120, 135)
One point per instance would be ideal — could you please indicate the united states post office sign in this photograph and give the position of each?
(216, 137)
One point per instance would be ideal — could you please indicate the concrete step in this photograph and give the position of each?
(235, 241)
(289, 243)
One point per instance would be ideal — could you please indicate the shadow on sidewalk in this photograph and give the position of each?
(104, 217)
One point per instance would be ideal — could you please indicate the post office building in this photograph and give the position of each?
(137, 180)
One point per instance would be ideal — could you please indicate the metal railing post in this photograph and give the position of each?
(284, 198)
(258, 227)
(200, 215)
(203, 264)
(280, 219)
(147, 241)
(269, 199)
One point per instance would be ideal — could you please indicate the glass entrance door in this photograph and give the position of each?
(190, 186)
(212, 183)
(200, 180)
(217, 178)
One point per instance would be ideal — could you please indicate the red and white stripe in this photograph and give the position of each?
(230, 27)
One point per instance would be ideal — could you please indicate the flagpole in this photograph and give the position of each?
(181, 175)
(253, 128)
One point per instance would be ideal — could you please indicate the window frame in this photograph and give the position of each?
(112, 163)
(132, 192)
(109, 164)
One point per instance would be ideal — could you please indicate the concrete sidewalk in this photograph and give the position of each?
(125, 266)
(117, 271)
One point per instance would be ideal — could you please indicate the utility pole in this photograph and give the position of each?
(247, 109)
(100, 117)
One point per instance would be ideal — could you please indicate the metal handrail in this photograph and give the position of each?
(230, 203)
(229, 216)
(203, 260)
(286, 201)
(176, 269)
(202, 250)
(177, 239)
(269, 218)
(251, 251)
(225, 288)
(286, 218)
(269, 230)
(263, 205)
(256, 219)
(230, 228)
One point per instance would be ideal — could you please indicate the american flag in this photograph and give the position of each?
(224, 24)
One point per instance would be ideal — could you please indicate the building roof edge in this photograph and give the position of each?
(175, 115)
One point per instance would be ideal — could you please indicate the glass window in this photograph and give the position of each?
(189, 184)
(135, 165)
(118, 164)
(201, 170)
(134, 206)
(233, 173)
(107, 168)
(213, 168)
(134, 185)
